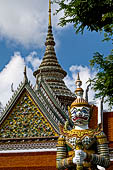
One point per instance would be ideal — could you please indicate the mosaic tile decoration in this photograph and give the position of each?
(26, 120)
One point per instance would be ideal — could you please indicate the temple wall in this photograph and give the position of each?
(93, 123)
(108, 126)
(28, 161)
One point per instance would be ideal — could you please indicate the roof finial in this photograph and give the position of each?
(12, 89)
(49, 12)
(25, 75)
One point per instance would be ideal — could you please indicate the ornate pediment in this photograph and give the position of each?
(26, 120)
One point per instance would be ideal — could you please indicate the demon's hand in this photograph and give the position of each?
(79, 157)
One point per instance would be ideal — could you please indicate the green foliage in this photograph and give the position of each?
(108, 33)
(95, 15)
(103, 81)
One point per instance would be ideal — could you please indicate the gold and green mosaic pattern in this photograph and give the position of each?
(25, 120)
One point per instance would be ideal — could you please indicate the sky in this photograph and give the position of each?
(23, 30)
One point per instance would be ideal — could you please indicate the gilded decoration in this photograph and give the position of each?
(80, 133)
(87, 137)
(26, 120)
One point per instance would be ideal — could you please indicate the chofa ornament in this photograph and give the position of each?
(81, 147)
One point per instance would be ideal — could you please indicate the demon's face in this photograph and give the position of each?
(80, 115)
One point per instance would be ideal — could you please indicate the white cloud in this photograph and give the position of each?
(25, 21)
(10, 74)
(33, 59)
(13, 73)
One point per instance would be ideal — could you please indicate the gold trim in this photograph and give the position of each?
(80, 133)
(49, 12)
(69, 112)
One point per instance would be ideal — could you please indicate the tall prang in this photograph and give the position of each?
(51, 70)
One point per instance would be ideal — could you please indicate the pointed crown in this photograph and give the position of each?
(79, 101)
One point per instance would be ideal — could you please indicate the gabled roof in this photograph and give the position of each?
(45, 101)
(36, 98)
(54, 102)
(51, 102)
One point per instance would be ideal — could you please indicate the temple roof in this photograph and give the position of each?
(33, 109)
(50, 68)
(44, 98)
(28, 110)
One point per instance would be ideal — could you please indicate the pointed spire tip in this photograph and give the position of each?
(49, 12)
(78, 76)
(78, 81)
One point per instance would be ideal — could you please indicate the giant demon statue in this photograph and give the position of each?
(81, 148)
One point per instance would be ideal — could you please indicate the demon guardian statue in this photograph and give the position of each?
(81, 148)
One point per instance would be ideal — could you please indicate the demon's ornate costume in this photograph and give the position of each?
(81, 147)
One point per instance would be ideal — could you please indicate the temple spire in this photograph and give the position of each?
(49, 12)
(51, 70)
(50, 63)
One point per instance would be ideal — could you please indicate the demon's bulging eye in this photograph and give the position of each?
(73, 111)
(73, 114)
(84, 111)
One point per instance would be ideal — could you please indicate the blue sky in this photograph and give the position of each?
(71, 49)
(23, 29)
